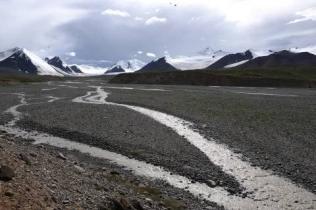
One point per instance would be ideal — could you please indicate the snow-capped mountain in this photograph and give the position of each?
(131, 65)
(201, 60)
(90, 70)
(68, 69)
(23, 61)
(232, 60)
(126, 66)
(115, 70)
(284, 58)
(310, 49)
(210, 52)
(20, 60)
(159, 65)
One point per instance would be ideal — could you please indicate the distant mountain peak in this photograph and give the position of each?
(131, 65)
(231, 59)
(248, 52)
(21, 60)
(16, 49)
(57, 62)
(284, 52)
(115, 70)
(158, 65)
(281, 59)
(161, 60)
(208, 51)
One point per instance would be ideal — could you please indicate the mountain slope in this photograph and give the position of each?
(57, 62)
(202, 60)
(22, 61)
(131, 65)
(159, 65)
(115, 70)
(282, 59)
(231, 59)
(75, 69)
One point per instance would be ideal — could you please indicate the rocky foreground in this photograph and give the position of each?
(42, 177)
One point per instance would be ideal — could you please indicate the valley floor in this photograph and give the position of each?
(267, 133)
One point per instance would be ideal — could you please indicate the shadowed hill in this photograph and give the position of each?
(231, 59)
(282, 59)
(234, 77)
(160, 65)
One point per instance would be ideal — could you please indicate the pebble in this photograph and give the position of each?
(212, 183)
(114, 173)
(9, 194)
(66, 201)
(33, 154)
(25, 159)
(79, 169)
(61, 156)
(6, 173)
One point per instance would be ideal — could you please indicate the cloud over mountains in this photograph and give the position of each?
(114, 30)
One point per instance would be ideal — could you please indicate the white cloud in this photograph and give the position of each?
(151, 55)
(140, 52)
(40, 25)
(72, 54)
(154, 20)
(61, 26)
(111, 12)
(138, 19)
(308, 14)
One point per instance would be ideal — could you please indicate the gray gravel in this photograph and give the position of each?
(129, 133)
(272, 132)
(50, 178)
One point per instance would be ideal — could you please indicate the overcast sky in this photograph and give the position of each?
(108, 30)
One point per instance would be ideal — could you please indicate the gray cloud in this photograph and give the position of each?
(113, 30)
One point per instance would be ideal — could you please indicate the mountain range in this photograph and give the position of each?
(57, 62)
(126, 66)
(23, 61)
(201, 60)
(19, 60)
(282, 59)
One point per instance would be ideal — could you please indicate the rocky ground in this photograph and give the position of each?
(42, 177)
(275, 132)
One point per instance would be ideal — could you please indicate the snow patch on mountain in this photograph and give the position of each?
(42, 67)
(261, 53)
(200, 60)
(92, 70)
(311, 49)
(236, 64)
(130, 65)
(6, 54)
(193, 62)
(210, 52)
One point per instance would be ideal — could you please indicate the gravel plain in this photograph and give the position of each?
(273, 128)
(275, 132)
(49, 178)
